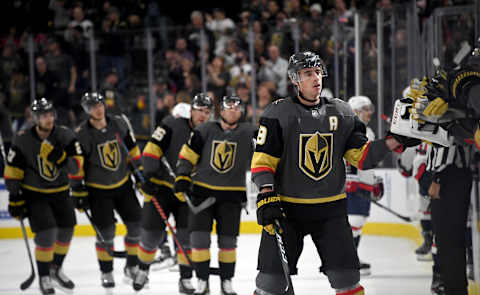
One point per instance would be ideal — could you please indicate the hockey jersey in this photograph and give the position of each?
(220, 159)
(106, 160)
(166, 141)
(28, 168)
(301, 150)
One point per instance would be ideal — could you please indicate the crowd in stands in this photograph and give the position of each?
(63, 66)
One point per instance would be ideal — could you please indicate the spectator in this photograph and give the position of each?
(61, 16)
(113, 97)
(242, 69)
(221, 26)
(10, 62)
(217, 79)
(17, 97)
(243, 92)
(62, 66)
(274, 69)
(78, 20)
(164, 107)
(193, 33)
(181, 49)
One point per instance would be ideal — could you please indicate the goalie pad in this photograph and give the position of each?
(376, 189)
(404, 124)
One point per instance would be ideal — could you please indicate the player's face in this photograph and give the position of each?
(97, 111)
(231, 113)
(46, 121)
(310, 82)
(200, 115)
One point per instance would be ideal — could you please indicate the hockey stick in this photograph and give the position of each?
(283, 257)
(195, 209)
(116, 254)
(30, 279)
(404, 218)
(214, 271)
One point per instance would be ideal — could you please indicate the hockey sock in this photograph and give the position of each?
(426, 225)
(60, 250)
(131, 246)
(145, 256)
(104, 259)
(201, 259)
(355, 291)
(227, 259)
(356, 241)
(185, 268)
(44, 257)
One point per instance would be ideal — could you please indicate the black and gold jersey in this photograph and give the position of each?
(106, 160)
(301, 150)
(166, 141)
(28, 166)
(219, 159)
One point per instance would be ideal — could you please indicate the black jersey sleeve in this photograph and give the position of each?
(15, 169)
(190, 153)
(154, 149)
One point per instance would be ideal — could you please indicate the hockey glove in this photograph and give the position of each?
(183, 184)
(150, 188)
(268, 209)
(17, 207)
(54, 154)
(438, 95)
(80, 198)
(403, 140)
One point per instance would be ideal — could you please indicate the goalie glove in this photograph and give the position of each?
(268, 209)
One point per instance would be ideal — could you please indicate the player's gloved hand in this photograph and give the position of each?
(54, 154)
(417, 88)
(150, 188)
(17, 207)
(183, 184)
(404, 140)
(80, 198)
(268, 209)
(438, 95)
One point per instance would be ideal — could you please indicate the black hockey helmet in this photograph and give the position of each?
(90, 99)
(304, 60)
(202, 100)
(41, 106)
(229, 102)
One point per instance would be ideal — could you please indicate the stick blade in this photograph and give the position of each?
(25, 285)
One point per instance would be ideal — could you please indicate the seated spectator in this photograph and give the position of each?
(164, 107)
(217, 77)
(114, 99)
(78, 20)
(221, 26)
(274, 69)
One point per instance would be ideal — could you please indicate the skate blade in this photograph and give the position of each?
(427, 257)
(57, 285)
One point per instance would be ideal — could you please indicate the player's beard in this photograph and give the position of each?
(44, 129)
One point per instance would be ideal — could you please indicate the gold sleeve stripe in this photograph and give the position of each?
(188, 154)
(46, 190)
(227, 255)
(64, 155)
(81, 173)
(200, 255)
(220, 188)
(153, 151)
(135, 153)
(313, 201)
(16, 204)
(357, 156)
(476, 137)
(79, 194)
(13, 173)
(264, 162)
(182, 260)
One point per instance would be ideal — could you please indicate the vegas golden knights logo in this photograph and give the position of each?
(47, 169)
(315, 154)
(223, 155)
(110, 156)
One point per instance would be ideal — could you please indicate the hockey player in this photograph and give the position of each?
(220, 153)
(361, 185)
(299, 168)
(37, 181)
(108, 182)
(452, 99)
(166, 141)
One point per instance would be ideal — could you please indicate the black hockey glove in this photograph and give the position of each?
(268, 209)
(404, 140)
(150, 188)
(183, 184)
(17, 207)
(80, 198)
